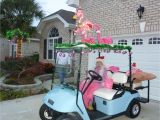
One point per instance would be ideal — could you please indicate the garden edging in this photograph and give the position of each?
(30, 88)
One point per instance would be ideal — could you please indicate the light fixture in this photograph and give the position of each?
(140, 11)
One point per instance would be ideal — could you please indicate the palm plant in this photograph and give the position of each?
(19, 14)
(18, 36)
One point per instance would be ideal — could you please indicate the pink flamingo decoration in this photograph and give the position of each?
(87, 26)
(84, 25)
(104, 40)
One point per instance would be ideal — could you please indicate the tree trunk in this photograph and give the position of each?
(20, 73)
(19, 48)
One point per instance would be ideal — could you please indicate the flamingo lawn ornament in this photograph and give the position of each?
(104, 40)
(83, 26)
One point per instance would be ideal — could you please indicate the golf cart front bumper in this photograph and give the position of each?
(61, 99)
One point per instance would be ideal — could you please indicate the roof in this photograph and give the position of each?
(63, 15)
(66, 15)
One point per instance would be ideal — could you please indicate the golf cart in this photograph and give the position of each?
(66, 102)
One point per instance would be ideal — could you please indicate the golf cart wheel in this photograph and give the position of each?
(134, 109)
(47, 113)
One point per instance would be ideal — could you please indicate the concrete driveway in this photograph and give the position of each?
(28, 109)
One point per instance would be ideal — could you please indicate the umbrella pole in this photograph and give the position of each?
(54, 67)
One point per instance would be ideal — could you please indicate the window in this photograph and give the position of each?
(14, 50)
(54, 32)
(137, 42)
(53, 39)
(50, 44)
(122, 42)
(154, 40)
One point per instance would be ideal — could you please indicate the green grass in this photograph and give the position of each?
(9, 95)
(1, 74)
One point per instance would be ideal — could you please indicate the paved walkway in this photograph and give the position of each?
(28, 109)
(21, 109)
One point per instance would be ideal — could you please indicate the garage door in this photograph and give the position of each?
(146, 54)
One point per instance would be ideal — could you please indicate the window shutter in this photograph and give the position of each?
(50, 53)
(60, 40)
(45, 49)
(12, 50)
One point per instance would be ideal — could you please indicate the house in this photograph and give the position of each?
(55, 28)
(4, 46)
(134, 23)
(9, 48)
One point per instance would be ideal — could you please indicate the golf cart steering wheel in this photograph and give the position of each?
(94, 75)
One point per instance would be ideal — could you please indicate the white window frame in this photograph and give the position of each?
(48, 46)
(122, 42)
(154, 39)
(137, 41)
(14, 50)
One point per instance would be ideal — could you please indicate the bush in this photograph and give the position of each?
(48, 67)
(35, 70)
(18, 65)
(35, 57)
(9, 65)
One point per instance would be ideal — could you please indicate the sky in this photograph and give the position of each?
(51, 6)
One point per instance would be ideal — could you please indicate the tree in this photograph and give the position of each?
(19, 14)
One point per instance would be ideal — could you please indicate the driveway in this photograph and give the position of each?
(28, 109)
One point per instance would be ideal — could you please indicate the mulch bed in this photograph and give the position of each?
(22, 81)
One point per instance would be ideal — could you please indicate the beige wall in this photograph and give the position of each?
(118, 17)
(27, 48)
(30, 48)
(63, 32)
(4, 48)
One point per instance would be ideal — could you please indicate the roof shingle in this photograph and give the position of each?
(66, 15)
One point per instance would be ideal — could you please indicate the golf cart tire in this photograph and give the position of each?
(73, 116)
(133, 109)
(44, 108)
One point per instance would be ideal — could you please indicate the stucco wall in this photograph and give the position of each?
(63, 32)
(30, 48)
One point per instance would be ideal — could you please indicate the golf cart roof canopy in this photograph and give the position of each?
(93, 46)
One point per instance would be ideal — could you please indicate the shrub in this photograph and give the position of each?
(9, 65)
(48, 67)
(35, 70)
(18, 65)
(35, 57)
